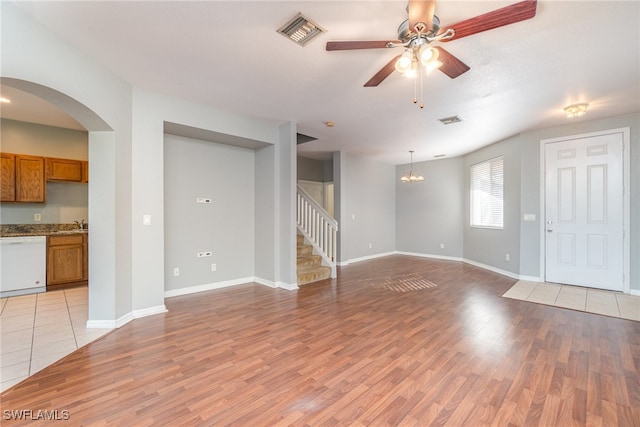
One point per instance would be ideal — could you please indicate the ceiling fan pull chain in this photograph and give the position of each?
(422, 71)
(415, 90)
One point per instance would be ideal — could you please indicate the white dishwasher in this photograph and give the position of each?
(23, 265)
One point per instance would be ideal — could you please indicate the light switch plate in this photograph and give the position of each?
(146, 219)
(529, 217)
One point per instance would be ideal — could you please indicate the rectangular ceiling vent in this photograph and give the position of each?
(450, 120)
(300, 30)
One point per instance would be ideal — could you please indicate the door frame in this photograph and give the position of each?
(626, 197)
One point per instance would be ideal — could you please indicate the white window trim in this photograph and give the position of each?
(486, 163)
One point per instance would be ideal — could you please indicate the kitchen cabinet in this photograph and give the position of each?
(64, 170)
(7, 177)
(85, 171)
(30, 178)
(67, 258)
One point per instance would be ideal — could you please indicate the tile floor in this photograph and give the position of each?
(596, 301)
(39, 329)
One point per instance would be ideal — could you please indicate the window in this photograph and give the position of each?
(487, 193)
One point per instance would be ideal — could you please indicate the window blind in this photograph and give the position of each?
(487, 190)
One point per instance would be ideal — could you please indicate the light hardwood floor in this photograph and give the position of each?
(378, 346)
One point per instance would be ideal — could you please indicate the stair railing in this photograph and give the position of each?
(317, 225)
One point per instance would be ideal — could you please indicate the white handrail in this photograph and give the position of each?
(317, 225)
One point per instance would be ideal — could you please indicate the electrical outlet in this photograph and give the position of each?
(441, 245)
(37, 217)
(507, 257)
(204, 254)
(146, 219)
(214, 267)
(370, 245)
(176, 271)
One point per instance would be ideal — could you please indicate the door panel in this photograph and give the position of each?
(584, 211)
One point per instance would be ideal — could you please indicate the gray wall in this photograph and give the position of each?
(430, 213)
(367, 210)
(66, 201)
(489, 246)
(437, 210)
(529, 145)
(314, 170)
(193, 169)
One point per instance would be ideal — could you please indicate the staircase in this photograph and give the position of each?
(316, 241)
(309, 266)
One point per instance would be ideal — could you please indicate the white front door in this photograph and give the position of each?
(584, 211)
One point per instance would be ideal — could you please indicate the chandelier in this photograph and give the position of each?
(411, 177)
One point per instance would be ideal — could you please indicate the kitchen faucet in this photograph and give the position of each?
(80, 224)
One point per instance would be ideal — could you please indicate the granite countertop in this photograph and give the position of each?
(21, 230)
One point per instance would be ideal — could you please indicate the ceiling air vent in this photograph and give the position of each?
(300, 30)
(450, 120)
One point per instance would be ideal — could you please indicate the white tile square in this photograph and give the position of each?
(629, 306)
(545, 293)
(601, 302)
(520, 290)
(572, 297)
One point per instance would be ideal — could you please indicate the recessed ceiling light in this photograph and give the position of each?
(329, 124)
(5, 100)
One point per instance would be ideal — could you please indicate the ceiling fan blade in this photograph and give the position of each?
(364, 44)
(383, 73)
(451, 65)
(421, 15)
(500, 17)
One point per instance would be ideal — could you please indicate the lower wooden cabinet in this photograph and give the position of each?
(67, 257)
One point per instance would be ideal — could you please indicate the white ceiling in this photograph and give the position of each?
(228, 55)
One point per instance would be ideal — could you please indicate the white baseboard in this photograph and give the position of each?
(635, 292)
(490, 268)
(149, 311)
(530, 278)
(101, 324)
(229, 283)
(126, 318)
(209, 287)
(433, 256)
(365, 258)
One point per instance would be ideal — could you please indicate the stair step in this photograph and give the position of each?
(304, 250)
(309, 261)
(309, 267)
(313, 274)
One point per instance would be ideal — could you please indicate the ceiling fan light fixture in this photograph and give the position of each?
(427, 55)
(403, 64)
(576, 110)
(433, 65)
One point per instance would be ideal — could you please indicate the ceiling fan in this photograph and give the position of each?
(423, 27)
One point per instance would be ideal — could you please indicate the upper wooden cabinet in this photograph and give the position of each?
(85, 171)
(30, 178)
(23, 178)
(64, 170)
(7, 177)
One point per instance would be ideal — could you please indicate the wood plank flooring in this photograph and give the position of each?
(353, 351)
